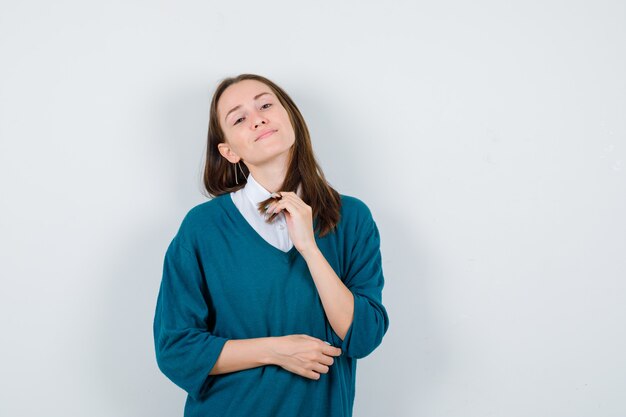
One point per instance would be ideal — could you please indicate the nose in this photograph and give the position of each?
(259, 120)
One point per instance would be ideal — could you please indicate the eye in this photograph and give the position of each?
(266, 104)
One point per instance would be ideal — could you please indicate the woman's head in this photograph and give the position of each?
(242, 109)
(232, 134)
(255, 127)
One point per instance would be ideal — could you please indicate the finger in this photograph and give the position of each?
(274, 207)
(331, 351)
(293, 197)
(269, 212)
(321, 368)
(313, 375)
(286, 205)
(289, 195)
(296, 201)
(326, 360)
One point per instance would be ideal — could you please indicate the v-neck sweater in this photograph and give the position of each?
(221, 280)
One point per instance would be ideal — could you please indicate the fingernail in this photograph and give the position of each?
(326, 342)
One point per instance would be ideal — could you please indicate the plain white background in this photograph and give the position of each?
(487, 138)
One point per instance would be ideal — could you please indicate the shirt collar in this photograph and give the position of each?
(256, 193)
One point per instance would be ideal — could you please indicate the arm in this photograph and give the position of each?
(300, 354)
(337, 300)
(353, 303)
(186, 350)
(244, 354)
(357, 318)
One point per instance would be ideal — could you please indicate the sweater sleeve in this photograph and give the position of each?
(186, 351)
(364, 278)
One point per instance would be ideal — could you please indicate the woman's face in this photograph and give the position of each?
(247, 110)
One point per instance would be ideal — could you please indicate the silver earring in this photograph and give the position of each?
(243, 173)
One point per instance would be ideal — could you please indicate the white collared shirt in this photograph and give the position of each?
(246, 199)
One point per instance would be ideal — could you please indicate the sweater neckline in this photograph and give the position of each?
(229, 205)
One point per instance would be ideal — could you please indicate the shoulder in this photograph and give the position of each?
(355, 213)
(201, 219)
(354, 206)
(206, 210)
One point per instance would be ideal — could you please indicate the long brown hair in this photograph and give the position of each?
(219, 176)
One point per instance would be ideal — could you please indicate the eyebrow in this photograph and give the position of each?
(238, 106)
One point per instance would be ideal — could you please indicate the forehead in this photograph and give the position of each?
(240, 92)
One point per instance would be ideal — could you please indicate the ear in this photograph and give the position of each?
(228, 153)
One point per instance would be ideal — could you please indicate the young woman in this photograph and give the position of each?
(272, 289)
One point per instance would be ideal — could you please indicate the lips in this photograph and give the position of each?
(265, 134)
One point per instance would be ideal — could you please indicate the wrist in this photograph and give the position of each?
(269, 356)
(310, 251)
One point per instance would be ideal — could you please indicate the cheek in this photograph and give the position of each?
(235, 142)
(286, 121)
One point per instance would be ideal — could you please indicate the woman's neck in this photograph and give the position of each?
(271, 183)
